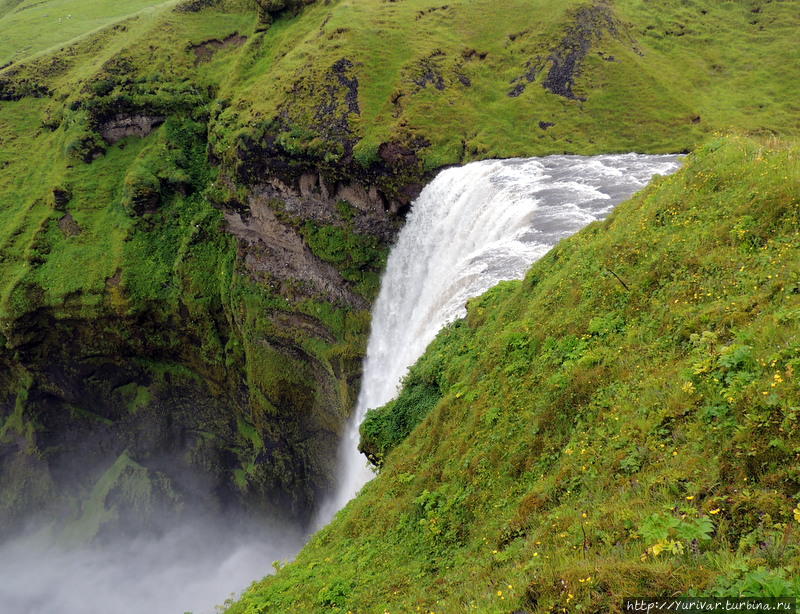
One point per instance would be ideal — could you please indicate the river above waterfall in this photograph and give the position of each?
(472, 227)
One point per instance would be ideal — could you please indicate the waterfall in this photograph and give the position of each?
(471, 228)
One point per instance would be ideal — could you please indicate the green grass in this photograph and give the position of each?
(593, 442)
(55, 132)
(24, 209)
(30, 27)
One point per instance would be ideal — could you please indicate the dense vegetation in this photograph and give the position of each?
(197, 198)
(623, 422)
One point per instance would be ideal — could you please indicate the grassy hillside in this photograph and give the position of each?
(372, 92)
(576, 76)
(624, 422)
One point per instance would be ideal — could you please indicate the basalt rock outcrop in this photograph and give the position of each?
(120, 126)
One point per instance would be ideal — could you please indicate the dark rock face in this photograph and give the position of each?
(271, 245)
(341, 69)
(124, 125)
(268, 10)
(69, 226)
(61, 196)
(428, 72)
(193, 6)
(386, 186)
(13, 87)
(206, 50)
(591, 24)
(273, 249)
(79, 398)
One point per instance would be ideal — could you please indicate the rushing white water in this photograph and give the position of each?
(471, 228)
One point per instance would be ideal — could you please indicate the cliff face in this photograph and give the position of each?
(245, 418)
(181, 329)
(174, 341)
(216, 350)
(196, 203)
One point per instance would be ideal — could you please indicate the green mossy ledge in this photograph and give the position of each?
(575, 441)
(197, 199)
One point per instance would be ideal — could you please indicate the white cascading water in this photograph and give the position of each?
(472, 227)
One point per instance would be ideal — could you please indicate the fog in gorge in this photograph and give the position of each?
(189, 568)
(472, 227)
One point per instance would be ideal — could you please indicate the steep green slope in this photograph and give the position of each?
(199, 196)
(623, 422)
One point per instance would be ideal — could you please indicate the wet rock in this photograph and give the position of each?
(124, 125)
(69, 226)
(206, 50)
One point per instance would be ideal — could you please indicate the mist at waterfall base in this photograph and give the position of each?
(193, 568)
(472, 227)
